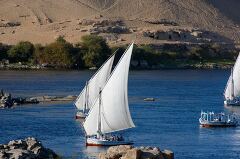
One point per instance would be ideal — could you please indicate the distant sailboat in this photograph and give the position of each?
(110, 112)
(232, 90)
(90, 92)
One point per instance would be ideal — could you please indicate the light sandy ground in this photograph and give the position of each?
(44, 20)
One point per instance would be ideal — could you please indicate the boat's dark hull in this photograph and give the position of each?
(213, 125)
(235, 104)
(101, 142)
(114, 144)
(80, 115)
(217, 123)
(232, 103)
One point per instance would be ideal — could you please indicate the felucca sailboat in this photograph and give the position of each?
(232, 90)
(89, 93)
(110, 113)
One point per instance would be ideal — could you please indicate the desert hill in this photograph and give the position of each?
(121, 21)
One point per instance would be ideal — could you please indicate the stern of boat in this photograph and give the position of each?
(80, 115)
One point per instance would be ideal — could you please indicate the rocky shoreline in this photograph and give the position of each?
(130, 152)
(7, 101)
(43, 99)
(20, 67)
(29, 148)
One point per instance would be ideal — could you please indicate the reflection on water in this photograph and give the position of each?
(233, 109)
(171, 122)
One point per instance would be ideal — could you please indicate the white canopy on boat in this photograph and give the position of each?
(233, 85)
(86, 99)
(114, 110)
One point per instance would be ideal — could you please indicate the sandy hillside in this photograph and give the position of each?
(41, 21)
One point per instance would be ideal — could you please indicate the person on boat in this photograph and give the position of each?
(219, 117)
(1, 94)
(121, 138)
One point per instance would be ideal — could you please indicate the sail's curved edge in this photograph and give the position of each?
(109, 59)
(97, 80)
(227, 91)
(236, 77)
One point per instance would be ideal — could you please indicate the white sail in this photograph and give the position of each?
(233, 84)
(228, 94)
(114, 109)
(98, 80)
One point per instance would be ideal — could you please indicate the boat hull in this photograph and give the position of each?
(102, 142)
(80, 115)
(232, 103)
(217, 124)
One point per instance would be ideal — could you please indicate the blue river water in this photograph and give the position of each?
(171, 122)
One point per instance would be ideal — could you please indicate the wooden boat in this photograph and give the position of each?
(232, 90)
(87, 97)
(110, 113)
(210, 119)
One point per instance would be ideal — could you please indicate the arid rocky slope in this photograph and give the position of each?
(145, 21)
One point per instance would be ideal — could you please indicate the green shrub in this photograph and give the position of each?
(3, 51)
(38, 54)
(57, 54)
(22, 52)
(95, 50)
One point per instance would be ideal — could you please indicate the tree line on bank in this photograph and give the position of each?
(93, 50)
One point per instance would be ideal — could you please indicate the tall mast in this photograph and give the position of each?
(99, 112)
(86, 98)
(232, 89)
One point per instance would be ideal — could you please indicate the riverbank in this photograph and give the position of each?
(142, 65)
(64, 55)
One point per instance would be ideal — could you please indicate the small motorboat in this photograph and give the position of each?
(211, 119)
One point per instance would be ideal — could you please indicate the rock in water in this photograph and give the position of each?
(29, 148)
(132, 154)
(129, 152)
(168, 154)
